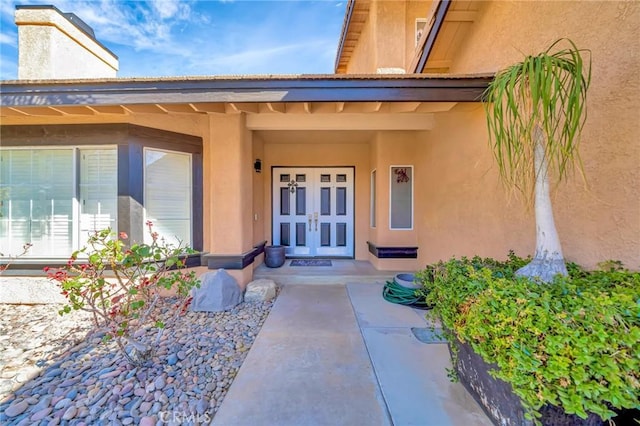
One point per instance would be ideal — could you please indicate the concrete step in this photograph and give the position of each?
(340, 272)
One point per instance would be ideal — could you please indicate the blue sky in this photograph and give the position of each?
(188, 37)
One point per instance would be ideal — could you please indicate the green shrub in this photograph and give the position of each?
(573, 343)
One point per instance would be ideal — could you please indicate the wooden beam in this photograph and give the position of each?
(107, 109)
(145, 109)
(244, 107)
(403, 106)
(6, 112)
(76, 110)
(180, 108)
(276, 107)
(356, 107)
(210, 107)
(343, 121)
(46, 111)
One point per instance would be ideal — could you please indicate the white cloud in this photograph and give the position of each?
(10, 39)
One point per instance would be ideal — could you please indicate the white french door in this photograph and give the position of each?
(313, 210)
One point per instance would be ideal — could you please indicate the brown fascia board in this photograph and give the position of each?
(427, 47)
(308, 88)
(343, 33)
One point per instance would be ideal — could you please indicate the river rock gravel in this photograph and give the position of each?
(55, 370)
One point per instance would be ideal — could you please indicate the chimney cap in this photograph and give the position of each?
(71, 17)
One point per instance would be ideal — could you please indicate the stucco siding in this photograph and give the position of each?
(363, 58)
(598, 220)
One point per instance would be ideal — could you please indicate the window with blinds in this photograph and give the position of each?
(167, 195)
(45, 193)
(98, 191)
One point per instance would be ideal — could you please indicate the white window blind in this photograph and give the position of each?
(98, 185)
(167, 195)
(36, 201)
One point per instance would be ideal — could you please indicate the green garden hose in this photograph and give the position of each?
(395, 293)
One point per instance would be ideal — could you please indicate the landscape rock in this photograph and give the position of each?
(218, 292)
(16, 409)
(261, 290)
(92, 382)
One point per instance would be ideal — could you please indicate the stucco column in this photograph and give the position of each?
(228, 189)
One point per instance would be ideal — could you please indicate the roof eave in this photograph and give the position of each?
(402, 88)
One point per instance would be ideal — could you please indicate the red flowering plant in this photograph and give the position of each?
(121, 286)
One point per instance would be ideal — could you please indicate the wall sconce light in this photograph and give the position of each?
(257, 165)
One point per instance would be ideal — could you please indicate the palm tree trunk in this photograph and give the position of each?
(548, 260)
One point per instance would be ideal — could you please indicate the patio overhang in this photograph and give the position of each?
(272, 95)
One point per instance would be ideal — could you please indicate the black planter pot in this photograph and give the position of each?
(274, 256)
(497, 399)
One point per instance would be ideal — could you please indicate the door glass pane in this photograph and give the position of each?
(301, 201)
(301, 178)
(401, 197)
(325, 234)
(341, 178)
(36, 201)
(325, 178)
(341, 234)
(341, 201)
(284, 178)
(325, 201)
(167, 195)
(284, 201)
(301, 234)
(285, 234)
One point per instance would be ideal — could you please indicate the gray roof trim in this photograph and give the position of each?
(325, 88)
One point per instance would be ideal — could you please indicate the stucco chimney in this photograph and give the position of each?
(57, 45)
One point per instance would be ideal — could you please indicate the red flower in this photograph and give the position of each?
(123, 235)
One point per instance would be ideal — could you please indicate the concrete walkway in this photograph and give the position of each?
(342, 355)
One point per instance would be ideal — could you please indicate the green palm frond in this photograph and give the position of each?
(544, 95)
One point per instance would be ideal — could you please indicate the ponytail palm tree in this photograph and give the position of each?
(535, 112)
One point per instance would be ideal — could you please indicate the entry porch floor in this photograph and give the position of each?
(341, 271)
(341, 355)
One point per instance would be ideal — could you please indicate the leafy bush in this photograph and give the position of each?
(573, 343)
(121, 287)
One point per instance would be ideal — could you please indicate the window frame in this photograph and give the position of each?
(411, 181)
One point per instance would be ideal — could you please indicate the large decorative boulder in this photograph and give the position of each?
(218, 292)
(260, 291)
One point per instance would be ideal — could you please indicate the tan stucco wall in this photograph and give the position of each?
(51, 47)
(597, 222)
(462, 208)
(387, 40)
(394, 148)
(363, 58)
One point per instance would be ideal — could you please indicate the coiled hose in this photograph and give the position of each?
(395, 293)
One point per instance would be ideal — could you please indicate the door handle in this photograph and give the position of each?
(309, 222)
(315, 215)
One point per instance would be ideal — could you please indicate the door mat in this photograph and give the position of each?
(310, 262)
